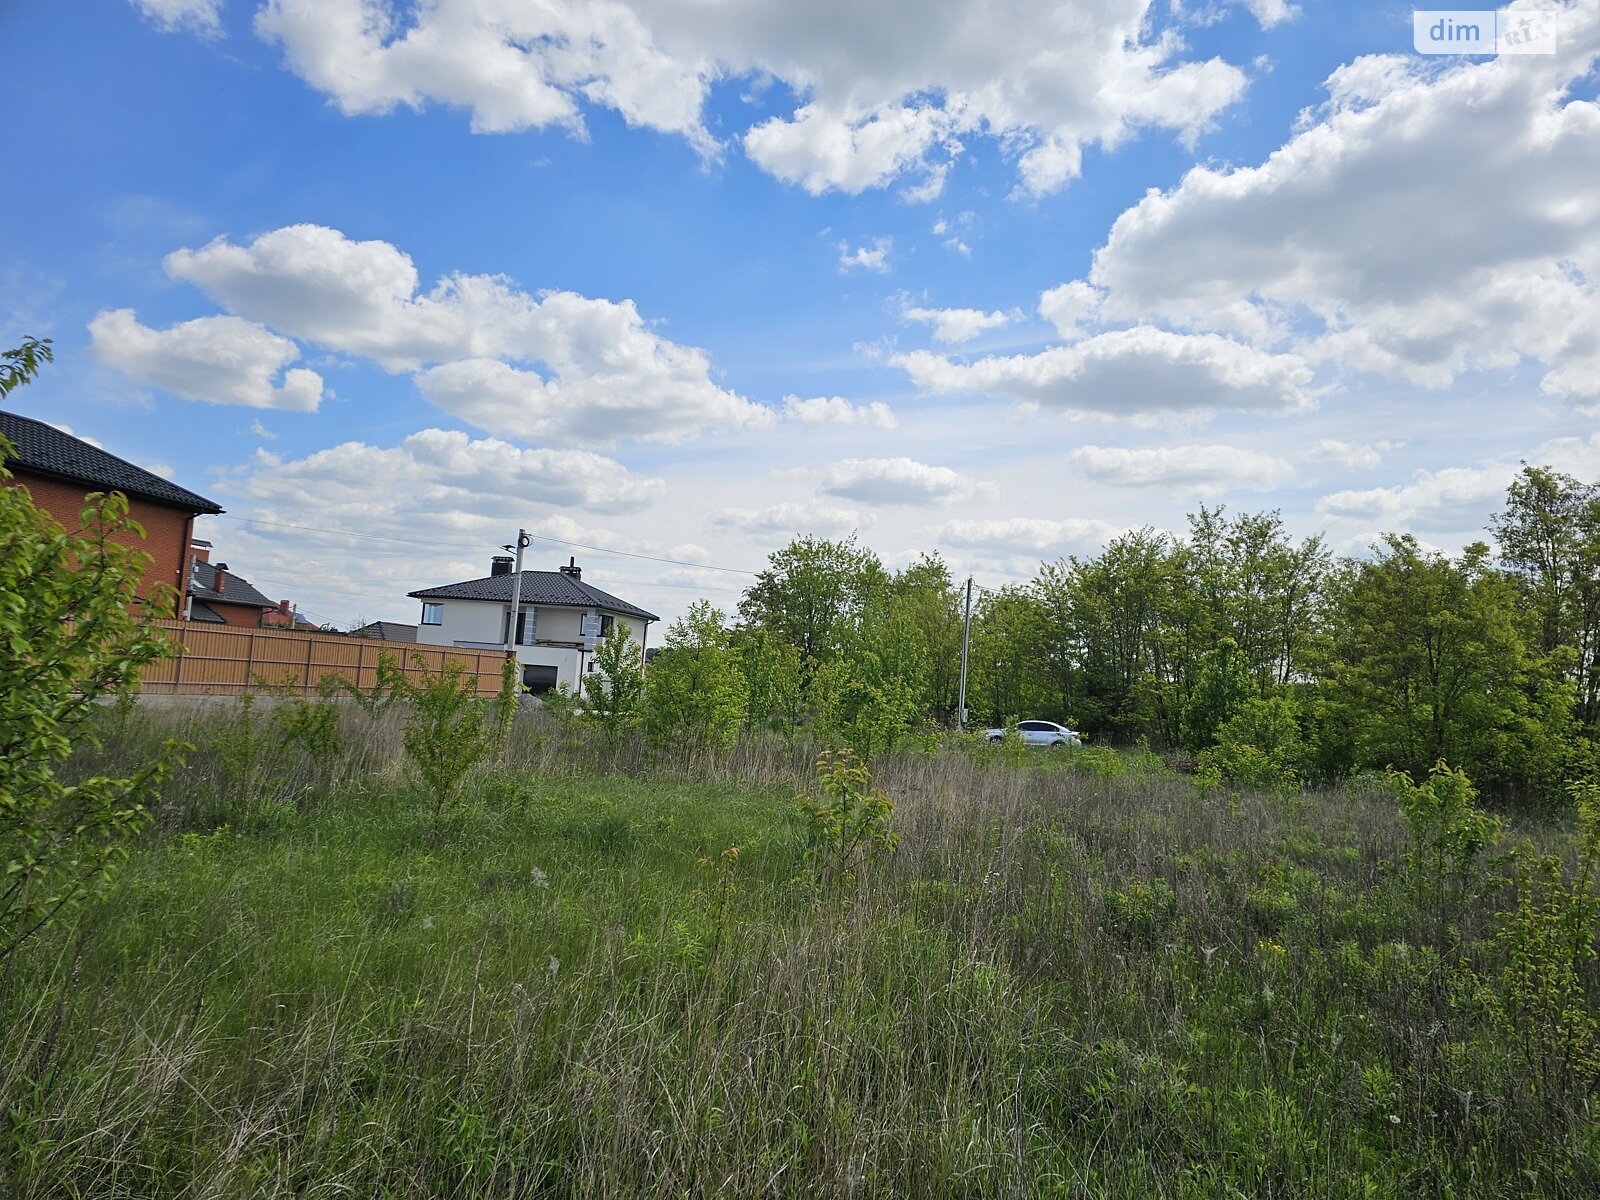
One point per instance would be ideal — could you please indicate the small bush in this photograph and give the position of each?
(1548, 937)
(449, 732)
(1259, 746)
(847, 822)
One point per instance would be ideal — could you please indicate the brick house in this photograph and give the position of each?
(59, 470)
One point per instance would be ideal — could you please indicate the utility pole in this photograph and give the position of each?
(516, 591)
(966, 635)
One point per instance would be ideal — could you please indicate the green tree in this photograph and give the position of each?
(1004, 661)
(1057, 642)
(1125, 611)
(20, 365)
(696, 695)
(73, 631)
(873, 695)
(614, 690)
(925, 598)
(1549, 537)
(1247, 580)
(1222, 686)
(1428, 660)
(774, 680)
(813, 594)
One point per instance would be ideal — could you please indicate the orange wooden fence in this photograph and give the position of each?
(226, 662)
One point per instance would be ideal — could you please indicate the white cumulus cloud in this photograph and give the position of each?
(1040, 536)
(836, 410)
(1191, 470)
(1141, 373)
(1427, 221)
(952, 325)
(892, 481)
(871, 256)
(436, 478)
(1353, 455)
(587, 371)
(218, 360)
(881, 89)
(792, 519)
(1456, 499)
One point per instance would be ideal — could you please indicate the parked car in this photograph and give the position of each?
(1040, 733)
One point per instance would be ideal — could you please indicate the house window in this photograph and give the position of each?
(433, 614)
(605, 625)
(527, 623)
(538, 680)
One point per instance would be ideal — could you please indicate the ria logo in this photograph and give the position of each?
(1484, 31)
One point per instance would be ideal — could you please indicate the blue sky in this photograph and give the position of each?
(684, 279)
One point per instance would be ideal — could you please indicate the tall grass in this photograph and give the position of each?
(1076, 977)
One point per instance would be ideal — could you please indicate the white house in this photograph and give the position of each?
(561, 618)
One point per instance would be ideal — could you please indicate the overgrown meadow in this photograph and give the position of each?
(603, 970)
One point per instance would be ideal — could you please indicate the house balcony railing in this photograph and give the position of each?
(545, 643)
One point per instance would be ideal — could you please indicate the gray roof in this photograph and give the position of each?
(204, 612)
(42, 449)
(388, 631)
(235, 590)
(553, 589)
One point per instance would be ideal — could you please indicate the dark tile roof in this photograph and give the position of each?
(203, 586)
(42, 449)
(388, 631)
(550, 588)
(199, 611)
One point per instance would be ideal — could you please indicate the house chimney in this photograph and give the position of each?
(283, 608)
(572, 569)
(200, 549)
(500, 564)
(219, 578)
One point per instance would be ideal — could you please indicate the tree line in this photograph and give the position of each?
(1186, 643)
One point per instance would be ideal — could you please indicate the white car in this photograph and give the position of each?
(1040, 733)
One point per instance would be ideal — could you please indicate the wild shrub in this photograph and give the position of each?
(696, 695)
(311, 726)
(1448, 831)
(872, 711)
(1259, 746)
(1008, 748)
(388, 688)
(242, 747)
(1548, 936)
(72, 632)
(449, 731)
(1449, 835)
(846, 821)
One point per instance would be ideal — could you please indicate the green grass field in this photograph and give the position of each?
(1076, 977)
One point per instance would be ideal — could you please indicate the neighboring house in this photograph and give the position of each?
(560, 620)
(59, 470)
(386, 631)
(218, 596)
